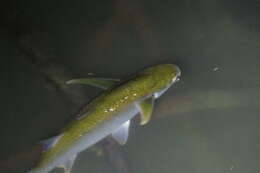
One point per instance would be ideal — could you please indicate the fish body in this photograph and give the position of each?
(108, 114)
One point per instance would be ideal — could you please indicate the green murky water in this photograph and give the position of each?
(207, 122)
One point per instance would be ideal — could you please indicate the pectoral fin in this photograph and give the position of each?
(102, 83)
(146, 108)
(121, 134)
(67, 166)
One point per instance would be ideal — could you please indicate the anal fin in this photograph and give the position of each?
(67, 166)
(121, 134)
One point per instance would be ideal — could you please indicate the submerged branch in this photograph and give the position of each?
(207, 100)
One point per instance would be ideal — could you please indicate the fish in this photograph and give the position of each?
(108, 114)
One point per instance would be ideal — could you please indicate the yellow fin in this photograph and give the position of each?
(146, 109)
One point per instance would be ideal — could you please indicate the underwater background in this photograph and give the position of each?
(207, 122)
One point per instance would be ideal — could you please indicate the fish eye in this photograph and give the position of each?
(176, 78)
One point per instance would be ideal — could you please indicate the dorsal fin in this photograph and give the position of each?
(103, 83)
(49, 143)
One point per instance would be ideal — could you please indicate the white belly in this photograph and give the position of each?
(104, 129)
(94, 136)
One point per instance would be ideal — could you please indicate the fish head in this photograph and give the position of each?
(161, 77)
